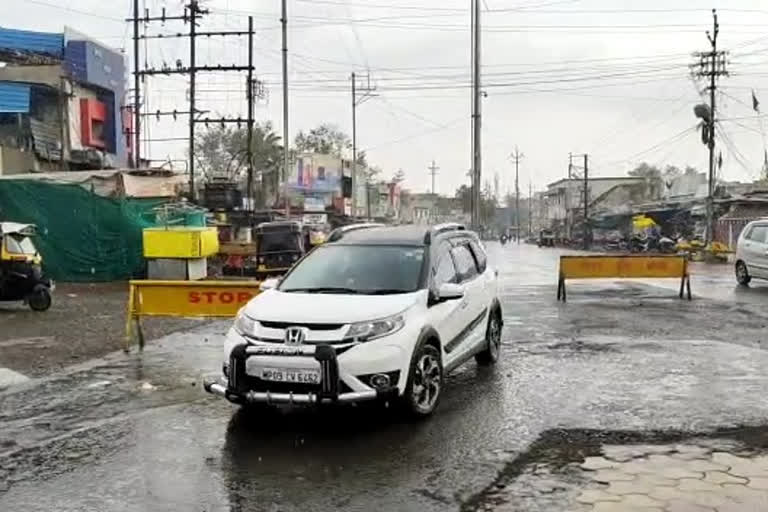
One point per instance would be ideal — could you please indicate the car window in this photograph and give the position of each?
(480, 257)
(758, 233)
(465, 262)
(445, 270)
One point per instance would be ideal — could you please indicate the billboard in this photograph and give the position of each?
(317, 173)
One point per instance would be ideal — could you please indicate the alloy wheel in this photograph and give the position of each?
(426, 382)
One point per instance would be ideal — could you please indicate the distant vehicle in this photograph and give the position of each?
(375, 313)
(21, 275)
(546, 238)
(752, 252)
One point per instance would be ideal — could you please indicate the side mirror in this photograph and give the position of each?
(269, 284)
(449, 291)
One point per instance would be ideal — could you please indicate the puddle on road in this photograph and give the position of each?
(594, 471)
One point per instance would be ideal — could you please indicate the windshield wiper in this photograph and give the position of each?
(386, 291)
(323, 289)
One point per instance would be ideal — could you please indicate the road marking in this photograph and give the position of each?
(9, 377)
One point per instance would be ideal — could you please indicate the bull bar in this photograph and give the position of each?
(235, 389)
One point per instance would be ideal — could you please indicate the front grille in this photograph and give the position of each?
(311, 327)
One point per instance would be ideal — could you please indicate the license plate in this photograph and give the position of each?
(291, 375)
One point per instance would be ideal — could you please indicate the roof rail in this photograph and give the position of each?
(438, 229)
(339, 232)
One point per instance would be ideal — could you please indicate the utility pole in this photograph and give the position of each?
(711, 65)
(193, 8)
(192, 13)
(565, 198)
(517, 156)
(136, 89)
(286, 143)
(354, 146)
(587, 230)
(360, 94)
(433, 171)
(530, 209)
(249, 92)
(476, 115)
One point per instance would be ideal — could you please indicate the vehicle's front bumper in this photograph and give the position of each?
(220, 388)
(235, 387)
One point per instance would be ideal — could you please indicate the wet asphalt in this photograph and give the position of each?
(620, 360)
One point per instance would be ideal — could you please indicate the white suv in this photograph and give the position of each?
(752, 252)
(376, 313)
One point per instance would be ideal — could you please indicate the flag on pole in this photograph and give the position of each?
(755, 103)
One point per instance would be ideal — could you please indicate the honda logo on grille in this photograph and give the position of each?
(295, 335)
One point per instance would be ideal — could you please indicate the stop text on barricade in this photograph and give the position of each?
(196, 299)
(623, 267)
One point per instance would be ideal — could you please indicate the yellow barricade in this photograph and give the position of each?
(625, 266)
(208, 299)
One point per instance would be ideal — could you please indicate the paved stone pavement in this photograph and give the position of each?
(674, 478)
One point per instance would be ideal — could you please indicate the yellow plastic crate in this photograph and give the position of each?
(180, 242)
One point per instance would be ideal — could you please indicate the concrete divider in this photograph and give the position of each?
(207, 299)
(624, 266)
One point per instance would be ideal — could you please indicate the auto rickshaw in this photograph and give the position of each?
(279, 244)
(21, 276)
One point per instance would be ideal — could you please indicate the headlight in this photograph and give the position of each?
(367, 331)
(245, 325)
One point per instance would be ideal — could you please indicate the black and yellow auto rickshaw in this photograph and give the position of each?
(21, 275)
(278, 245)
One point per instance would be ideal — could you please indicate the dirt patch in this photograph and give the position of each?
(85, 321)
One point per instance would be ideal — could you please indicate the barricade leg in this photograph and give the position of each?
(129, 321)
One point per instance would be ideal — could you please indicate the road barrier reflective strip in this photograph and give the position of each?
(628, 266)
(201, 299)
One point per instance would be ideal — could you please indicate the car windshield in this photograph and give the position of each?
(17, 244)
(362, 269)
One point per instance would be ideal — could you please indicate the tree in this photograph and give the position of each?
(223, 151)
(328, 139)
(325, 139)
(653, 179)
(399, 176)
(465, 194)
(645, 171)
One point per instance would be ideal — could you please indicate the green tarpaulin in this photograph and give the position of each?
(81, 236)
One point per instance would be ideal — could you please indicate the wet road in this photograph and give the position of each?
(137, 433)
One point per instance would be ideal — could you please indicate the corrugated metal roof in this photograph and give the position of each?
(28, 41)
(46, 138)
(14, 97)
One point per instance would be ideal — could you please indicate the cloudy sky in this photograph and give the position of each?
(606, 77)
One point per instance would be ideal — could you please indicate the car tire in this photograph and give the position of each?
(742, 273)
(491, 352)
(40, 298)
(425, 382)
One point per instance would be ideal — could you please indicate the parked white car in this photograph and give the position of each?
(376, 313)
(752, 252)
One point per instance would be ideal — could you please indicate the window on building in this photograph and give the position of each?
(321, 173)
